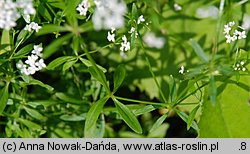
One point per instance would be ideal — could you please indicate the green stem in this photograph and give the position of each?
(218, 28)
(95, 67)
(141, 102)
(152, 73)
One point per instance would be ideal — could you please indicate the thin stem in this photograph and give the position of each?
(218, 28)
(141, 102)
(152, 73)
(96, 68)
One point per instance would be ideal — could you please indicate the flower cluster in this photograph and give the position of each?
(236, 35)
(133, 31)
(109, 13)
(32, 26)
(125, 46)
(240, 66)
(83, 7)
(152, 41)
(9, 12)
(33, 63)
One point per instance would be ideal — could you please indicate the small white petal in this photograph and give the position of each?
(140, 19)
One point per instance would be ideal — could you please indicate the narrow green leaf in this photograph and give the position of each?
(68, 98)
(57, 62)
(145, 109)
(40, 83)
(134, 12)
(44, 12)
(192, 116)
(128, 116)
(132, 41)
(75, 44)
(30, 124)
(5, 40)
(88, 64)
(57, 4)
(44, 103)
(68, 64)
(159, 132)
(184, 117)
(199, 51)
(73, 117)
(94, 113)
(119, 76)
(98, 75)
(98, 129)
(159, 122)
(33, 113)
(212, 90)
(22, 36)
(51, 28)
(4, 95)
(24, 51)
(54, 46)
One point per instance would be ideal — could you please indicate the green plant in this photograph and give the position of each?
(125, 81)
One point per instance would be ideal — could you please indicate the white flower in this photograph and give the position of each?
(227, 29)
(242, 63)
(140, 19)
(112, 29)
(111, 37)
(109, 13)
(133, 30)
(83, 7)
(40, 64)
(33, 26)
(152, 41)
(37, 50)
(244, 69)
(125, 45)
(242, 35)
(177, 7)
(182, 70)
(232, 23)
(32, 69)
(31, 60)
(124, 38)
